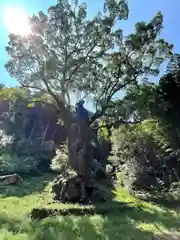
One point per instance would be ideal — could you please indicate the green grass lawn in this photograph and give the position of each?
(140, 220)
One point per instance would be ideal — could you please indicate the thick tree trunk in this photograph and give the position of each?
(79, 136)
(88, 180)
(77, 187)
(80, 151)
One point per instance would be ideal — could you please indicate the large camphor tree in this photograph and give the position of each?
(67, 55)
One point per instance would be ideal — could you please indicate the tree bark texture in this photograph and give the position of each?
(80, 151)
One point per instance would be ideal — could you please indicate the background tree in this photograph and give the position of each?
(27, 132)
(149, 150)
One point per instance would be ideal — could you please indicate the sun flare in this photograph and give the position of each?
(16, 20)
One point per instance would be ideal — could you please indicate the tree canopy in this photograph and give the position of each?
(67, 55)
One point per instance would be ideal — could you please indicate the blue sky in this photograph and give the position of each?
(139, 10)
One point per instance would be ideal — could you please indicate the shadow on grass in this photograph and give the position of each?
(173, 204)
(71, 228)
(113, 221)
(29, 186)
(120, 223)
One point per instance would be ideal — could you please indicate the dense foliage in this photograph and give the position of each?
(28, 134)
(68, 55)
(147, 153)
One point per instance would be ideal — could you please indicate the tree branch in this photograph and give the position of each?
(33, 87)
(116, 87)
(118, 122)
(64, 113)
(79, 65)
(100, 113)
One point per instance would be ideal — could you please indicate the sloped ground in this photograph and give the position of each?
(131, 218)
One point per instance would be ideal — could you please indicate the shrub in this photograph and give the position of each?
(59, 162)
(44, 152)
(142, 152)
(5, 141)
(15, 164)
